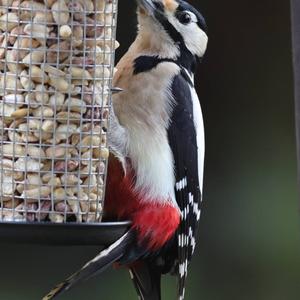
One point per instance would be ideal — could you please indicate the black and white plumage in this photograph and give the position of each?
(158, 135)
(185, 132)
(182, 135)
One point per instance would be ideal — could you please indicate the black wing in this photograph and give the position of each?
(183, 142)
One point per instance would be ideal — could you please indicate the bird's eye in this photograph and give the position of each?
(184, 18)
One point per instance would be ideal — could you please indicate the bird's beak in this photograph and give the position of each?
(147, 5)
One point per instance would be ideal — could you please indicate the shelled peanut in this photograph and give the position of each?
(55, 72)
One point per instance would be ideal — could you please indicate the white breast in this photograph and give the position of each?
(143, 110)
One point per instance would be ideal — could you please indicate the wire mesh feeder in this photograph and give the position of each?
(57, 62)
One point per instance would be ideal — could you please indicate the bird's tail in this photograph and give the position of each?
(103, 260)
(146, 278)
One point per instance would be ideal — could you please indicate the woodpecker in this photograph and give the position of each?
(155, 176)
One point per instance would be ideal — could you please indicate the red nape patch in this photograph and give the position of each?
(156, 223)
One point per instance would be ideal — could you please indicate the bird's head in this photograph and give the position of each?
(174, 23)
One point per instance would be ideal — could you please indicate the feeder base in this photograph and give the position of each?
(67, 234)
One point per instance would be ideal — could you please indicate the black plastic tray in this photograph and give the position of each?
(66, 234)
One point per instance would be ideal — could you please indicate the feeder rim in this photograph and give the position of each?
(71, 224)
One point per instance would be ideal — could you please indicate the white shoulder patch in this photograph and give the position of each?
(199, 126)
(198, 120)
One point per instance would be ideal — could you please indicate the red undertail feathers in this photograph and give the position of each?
(155, 221)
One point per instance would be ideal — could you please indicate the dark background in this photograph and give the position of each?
(249, 247)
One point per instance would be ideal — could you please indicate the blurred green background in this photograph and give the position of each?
(249, 247)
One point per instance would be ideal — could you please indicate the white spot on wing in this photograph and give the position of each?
(182, 184)
(196, 210)
(181, 269)
(185, 266)
(185, 213)
(198, 215)
(191, 198)
(192, 239)
(193, 244)
(179, 240)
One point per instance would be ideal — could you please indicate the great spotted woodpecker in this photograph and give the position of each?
(157, 135)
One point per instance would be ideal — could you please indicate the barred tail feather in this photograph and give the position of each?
(103, 260)
(181, 287)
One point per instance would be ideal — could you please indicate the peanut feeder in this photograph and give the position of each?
(56, 66)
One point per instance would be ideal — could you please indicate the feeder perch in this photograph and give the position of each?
(57, 63)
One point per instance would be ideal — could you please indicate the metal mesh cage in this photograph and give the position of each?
(57, 59)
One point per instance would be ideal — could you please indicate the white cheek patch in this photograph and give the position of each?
(195, 39)
(194, 18)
